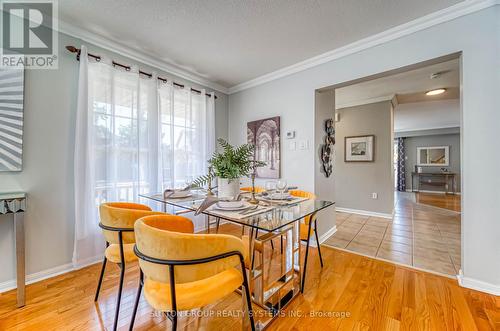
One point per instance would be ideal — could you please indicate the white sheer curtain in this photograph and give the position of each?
(133, 135)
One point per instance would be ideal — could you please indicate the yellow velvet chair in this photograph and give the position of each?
(117, 223)
(258, 189)
(305, 230)
(182, 271)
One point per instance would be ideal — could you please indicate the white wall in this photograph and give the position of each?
(477, 36)
(427, 115)
(47, 176)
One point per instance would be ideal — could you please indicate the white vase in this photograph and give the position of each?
(228, 188)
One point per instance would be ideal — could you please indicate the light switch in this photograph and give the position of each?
(292, 146)
(302, 144)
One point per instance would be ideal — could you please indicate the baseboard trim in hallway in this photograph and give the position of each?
(323, 237)
(363, 212)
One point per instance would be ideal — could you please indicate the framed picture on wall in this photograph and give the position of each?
(264, 134)
(359, 148)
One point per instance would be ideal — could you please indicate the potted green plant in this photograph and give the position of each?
(229, 165)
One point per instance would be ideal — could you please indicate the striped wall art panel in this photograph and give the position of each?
(11, 119)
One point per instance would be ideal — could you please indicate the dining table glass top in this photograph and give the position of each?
(267, 215)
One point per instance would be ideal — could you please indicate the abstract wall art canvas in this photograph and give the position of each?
(11, 119)
(265, 136)
(359, 149)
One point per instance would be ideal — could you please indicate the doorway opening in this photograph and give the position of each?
(397, 166)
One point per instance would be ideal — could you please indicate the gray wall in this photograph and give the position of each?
(356, 181)
(47, 176)
(477, 37)
(411, 144)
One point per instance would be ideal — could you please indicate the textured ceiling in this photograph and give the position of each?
(229, 41)
(409, 86)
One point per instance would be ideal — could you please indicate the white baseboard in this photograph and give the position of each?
(48, 273)
(323, 237)
(363, 212)
(437, 192)
(477, 285)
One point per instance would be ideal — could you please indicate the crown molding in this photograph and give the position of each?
(116, 47)
(365, 101)
(424, 22)
(428, 128)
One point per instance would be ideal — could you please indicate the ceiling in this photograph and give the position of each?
(230, 42)
(409, 86)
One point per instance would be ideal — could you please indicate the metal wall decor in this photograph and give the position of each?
(327, 148)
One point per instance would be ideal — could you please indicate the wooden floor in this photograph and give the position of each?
(351, 292)
(446, 201)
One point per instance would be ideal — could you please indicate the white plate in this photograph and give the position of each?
(244, 205)
(180, 194)
(230, 204)
(279, 196)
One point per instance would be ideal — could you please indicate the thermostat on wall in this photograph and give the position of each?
(290, 134)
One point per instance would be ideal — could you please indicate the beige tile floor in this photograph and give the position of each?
(422, 236)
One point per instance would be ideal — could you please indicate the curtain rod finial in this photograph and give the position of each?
(72, 49)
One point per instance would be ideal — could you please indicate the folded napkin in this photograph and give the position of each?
(237, 214)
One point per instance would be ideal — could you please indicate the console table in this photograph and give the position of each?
(15, 204)
(437, 179)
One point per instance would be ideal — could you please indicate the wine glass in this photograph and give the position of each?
(270, 185)
(281, 185)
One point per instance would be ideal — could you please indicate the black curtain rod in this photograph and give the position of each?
(73, 49)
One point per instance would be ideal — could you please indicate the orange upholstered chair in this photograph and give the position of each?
(183, 271)
(258, 189)
(117, 223)
(306, 229)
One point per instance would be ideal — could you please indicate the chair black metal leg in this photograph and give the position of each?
(217, 225)
(100, 279)
(317, 243)
(139, 289)
(305, 260)
(174, 320)
(173, 297)
(272, 245)
(247, 294)
(122, 275)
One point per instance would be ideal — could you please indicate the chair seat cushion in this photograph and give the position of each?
(303, 231)
(246, 246)
(113, 253)
(193, 294)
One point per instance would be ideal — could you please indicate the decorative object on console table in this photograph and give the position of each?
(359, 148)
(327, 148)
(265, 136)
(229, 166)
(15, 204)
(11, 117)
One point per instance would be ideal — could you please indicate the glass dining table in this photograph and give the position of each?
(274, 274)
